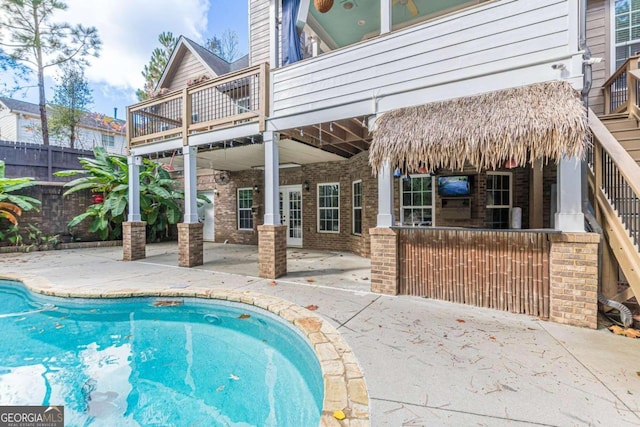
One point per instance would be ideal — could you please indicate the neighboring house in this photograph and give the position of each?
(20, 122)
(441, 141)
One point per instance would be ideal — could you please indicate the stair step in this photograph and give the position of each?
(613, 116)
(625, 124)
(626, 134)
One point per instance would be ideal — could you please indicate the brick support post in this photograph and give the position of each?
(190, 246)
(384, 261)
(272, 251)
(134, 240)
(573, 266)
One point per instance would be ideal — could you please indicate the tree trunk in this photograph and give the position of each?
(42, 100)
(72, 137)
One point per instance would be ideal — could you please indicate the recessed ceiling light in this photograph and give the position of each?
(361, 22)
(347, 5)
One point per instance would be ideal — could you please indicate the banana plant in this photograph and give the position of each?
(12, 205)
(108, 176)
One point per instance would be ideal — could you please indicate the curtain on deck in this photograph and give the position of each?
(291, 51)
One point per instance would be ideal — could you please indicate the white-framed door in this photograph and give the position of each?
(207, 217)
(291, 213)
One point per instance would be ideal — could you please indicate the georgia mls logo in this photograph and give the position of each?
(31, 416)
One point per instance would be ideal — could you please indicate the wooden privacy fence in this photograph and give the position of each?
(503, 270)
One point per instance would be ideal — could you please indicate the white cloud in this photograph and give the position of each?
(129, 32)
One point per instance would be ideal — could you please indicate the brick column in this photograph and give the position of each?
(190, 246)
(272, 251)
(134, 240)
(573, 267)
(384, 261)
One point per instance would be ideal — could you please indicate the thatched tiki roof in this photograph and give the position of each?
(541, 121)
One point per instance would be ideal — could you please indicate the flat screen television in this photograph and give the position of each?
(453, 186)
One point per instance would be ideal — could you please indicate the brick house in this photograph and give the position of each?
(344, 130)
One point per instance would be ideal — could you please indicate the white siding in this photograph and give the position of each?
(258, 31)
(29, 129)
(598, 40)
(8, 124)
(502, 44)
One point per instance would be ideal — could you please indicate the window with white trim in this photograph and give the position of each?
(499, 199)
(626, 33)
(245, 214)
(416, 200)
(329, 207)
(107, 140)
(357, 207)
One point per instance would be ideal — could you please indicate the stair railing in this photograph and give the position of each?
(621, 89)
(614, 178)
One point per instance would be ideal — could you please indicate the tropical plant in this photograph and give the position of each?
(12, 205)
(108, 176)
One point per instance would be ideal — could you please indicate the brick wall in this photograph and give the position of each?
(384, 261)
(56, 212)
(573, 268)
(345, 172)
(134, 240)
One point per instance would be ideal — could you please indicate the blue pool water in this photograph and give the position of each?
(143, 362)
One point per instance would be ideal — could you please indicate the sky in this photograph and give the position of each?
(129, 32)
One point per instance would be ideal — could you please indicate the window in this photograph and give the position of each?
(626, 30)
(245, 214)
(498, 199)
(416, 201)
(357, 207)
(329, 208)
(107, 140)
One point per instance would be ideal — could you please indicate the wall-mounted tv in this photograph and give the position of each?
(453, 186)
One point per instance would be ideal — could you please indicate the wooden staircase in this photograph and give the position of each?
(614, 181)
(625, 129)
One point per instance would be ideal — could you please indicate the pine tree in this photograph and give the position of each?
(36, 40)
(159, 58)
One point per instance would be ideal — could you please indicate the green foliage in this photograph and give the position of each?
(34, 40)
(153, 70)
(12, 205)
(28, 238)
(109, 175)
(71, 100)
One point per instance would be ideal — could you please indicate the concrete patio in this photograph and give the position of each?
(425, 362)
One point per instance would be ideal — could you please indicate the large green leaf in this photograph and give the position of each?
(78, 219)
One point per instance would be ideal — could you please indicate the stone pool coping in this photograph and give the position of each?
(344, 385)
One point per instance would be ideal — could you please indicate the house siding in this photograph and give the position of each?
(258, 31)
(489, 47)
(189, 67)
(8, 125)
(598, 40)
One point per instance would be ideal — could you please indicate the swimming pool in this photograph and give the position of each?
(156, 361)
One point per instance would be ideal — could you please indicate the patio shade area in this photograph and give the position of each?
(542, 121)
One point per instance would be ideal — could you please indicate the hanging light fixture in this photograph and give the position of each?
(323, 6)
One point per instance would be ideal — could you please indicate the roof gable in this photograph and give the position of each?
(20, 106)
(185, 51)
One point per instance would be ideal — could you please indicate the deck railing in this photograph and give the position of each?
(621, 89)
(233, 99)
(614, 178)
(503, 270)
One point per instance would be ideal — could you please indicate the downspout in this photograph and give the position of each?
(591, 222)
